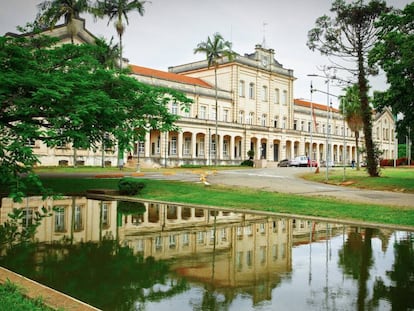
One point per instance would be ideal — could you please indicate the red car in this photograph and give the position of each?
(314, 163)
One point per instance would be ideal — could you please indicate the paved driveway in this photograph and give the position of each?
(286, 180)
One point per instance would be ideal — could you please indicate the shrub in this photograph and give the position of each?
(130, 186)
(247, 163)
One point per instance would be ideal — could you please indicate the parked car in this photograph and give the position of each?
(299, 161)
(314, 163)
(283, 163)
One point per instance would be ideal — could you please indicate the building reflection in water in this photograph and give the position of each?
(226, 250)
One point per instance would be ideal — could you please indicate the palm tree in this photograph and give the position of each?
(215, 48)
(350, 107)
(52, 11)
(118, 10)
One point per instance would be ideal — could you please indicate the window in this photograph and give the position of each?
(295, 124)
(285, 99)
(200, 237)
(262, 228)
(173, 143)
(241, 117)
(187, 112)
(309, 126)
(187, 146)
(249, 258)
(213, 113)
(251, 90)
(248, 230)
(302, 125)
(223, 234)
(158, 243)
(241, 88)
(78, 221)
(30, 142)
(200, 147)
(141, 146)
(27, 217)
(263, 120)
(225, 147)
(250, 118)
(105, 215)
(275, 121)
(277, 96)
(186, 239)
(174, 108)
(60, 219)
(284, 122)
(203, 112)
(172, 242)
(211, 235)
(264, 93)
(225, 115)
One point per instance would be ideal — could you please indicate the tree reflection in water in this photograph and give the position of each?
(104, 274)
(400, 291)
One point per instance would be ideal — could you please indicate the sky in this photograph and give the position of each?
(170, 30)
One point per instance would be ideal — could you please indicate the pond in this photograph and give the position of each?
(152, 256)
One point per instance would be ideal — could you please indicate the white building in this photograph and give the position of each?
(256, 111)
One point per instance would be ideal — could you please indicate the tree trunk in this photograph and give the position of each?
(358, 165)
(366, 113)
(216, 136)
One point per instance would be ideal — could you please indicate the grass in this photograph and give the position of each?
(12, 298)
(244, 198)
(392, 179)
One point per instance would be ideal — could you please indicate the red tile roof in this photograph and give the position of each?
(164, 75)
(307, 104)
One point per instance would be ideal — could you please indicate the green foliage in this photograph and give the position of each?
(65, 95)
(215, 48)
(350, 35)
(130, 186)
(129, 207)
(20, 228)
(12, 298)
(118, 276)
(394, 53)
(247, 163)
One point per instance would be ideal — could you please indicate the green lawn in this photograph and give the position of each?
(12, 298)
(244, 198)
(392, 179)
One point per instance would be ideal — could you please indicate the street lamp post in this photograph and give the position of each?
(327, 117)
(311, 127)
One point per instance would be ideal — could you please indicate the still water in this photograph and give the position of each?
(152, 256)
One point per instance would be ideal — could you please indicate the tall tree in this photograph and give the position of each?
(350, 35)
(52, 11)
(118, 10)
(64, 95)
(215, 48)
(394, 52)
(350, 107)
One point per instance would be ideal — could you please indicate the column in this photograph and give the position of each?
(147, 148)
(193, 145)
(180, 145)
(231, 151)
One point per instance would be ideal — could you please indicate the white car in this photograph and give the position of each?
(299, 161)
